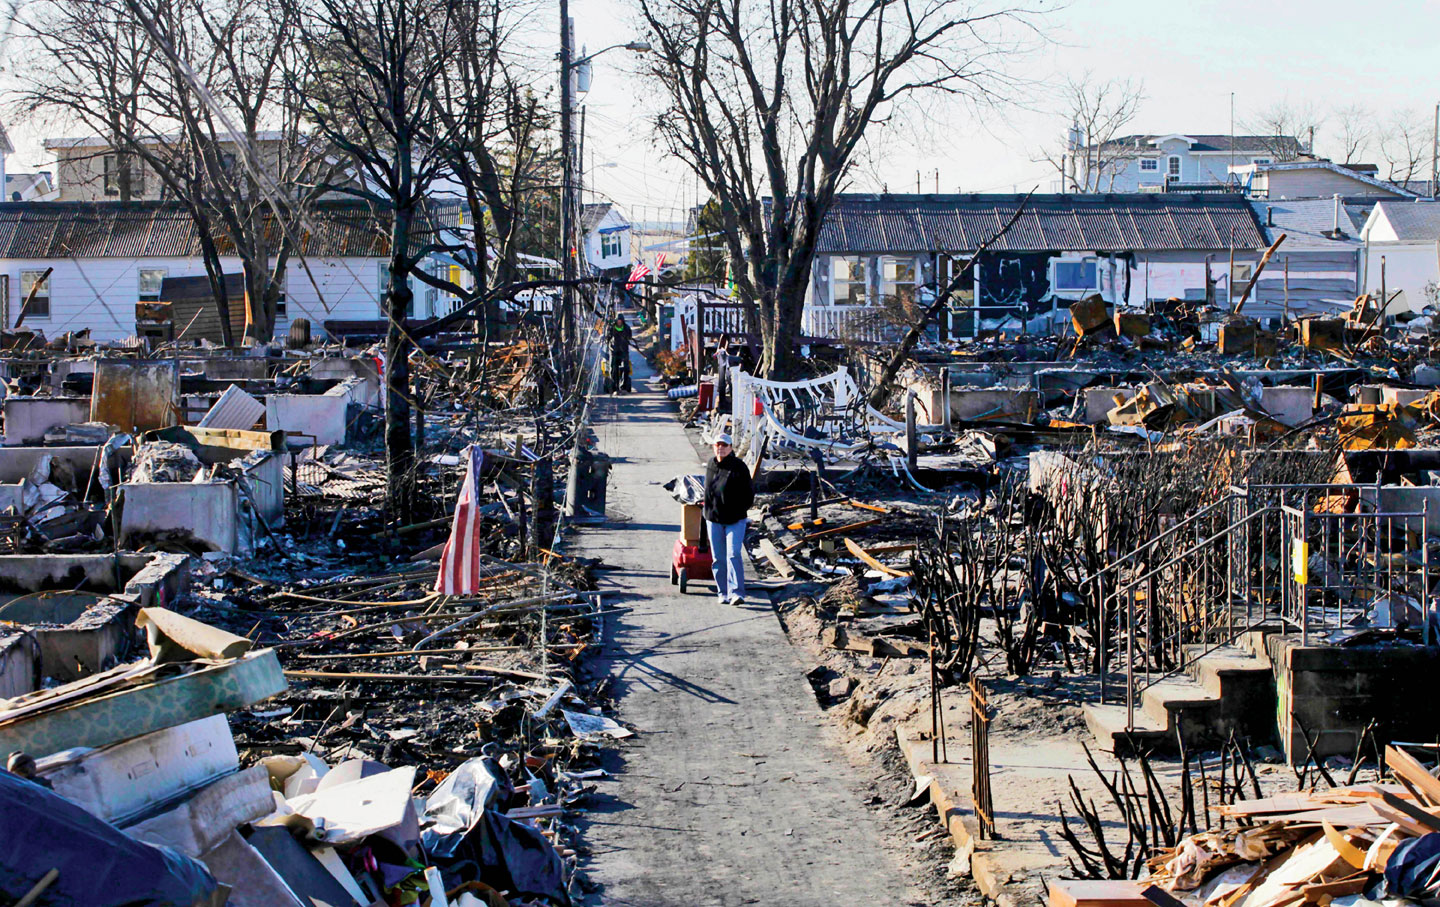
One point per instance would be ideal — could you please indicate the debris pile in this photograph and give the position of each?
(1348, 845)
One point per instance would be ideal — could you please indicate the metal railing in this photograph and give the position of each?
(1245, 561)
(1343, 565)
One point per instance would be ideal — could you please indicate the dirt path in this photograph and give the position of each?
(733, 790)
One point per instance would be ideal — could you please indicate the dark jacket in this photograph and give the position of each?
(728, 490)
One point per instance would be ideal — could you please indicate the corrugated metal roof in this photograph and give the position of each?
(164, 230)
(1103, 223)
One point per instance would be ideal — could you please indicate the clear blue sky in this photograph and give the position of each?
(1190, 56)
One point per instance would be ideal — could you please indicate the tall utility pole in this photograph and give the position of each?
(567, 182)
(1435, 155)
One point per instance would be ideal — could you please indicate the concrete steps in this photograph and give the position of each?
(1229, 690)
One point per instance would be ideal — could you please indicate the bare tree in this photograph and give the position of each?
(1285, 129)
(1404, 142)
(1091, 154)
(767, 103)
(189, 92)
(1355, 127)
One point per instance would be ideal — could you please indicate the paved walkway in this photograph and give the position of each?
(731, 792)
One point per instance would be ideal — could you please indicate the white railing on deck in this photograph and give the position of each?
(847, 322)
(721, 317)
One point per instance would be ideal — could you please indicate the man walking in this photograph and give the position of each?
(728, 496)
(620, 337)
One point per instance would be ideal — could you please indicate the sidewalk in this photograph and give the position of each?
(731, 792)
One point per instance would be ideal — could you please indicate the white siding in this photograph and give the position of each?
(611, 219)
(100, 293)
(332, 289)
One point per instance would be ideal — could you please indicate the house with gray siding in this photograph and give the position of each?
(881, 255)
(1313, 179)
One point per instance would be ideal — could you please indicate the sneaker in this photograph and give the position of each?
(737, 600)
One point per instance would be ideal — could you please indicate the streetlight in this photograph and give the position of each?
(569, 248)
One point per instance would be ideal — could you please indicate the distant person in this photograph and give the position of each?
(728, 496)
(620, 356)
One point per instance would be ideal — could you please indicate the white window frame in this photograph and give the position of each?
(26, 279)
(281, 308)
(1055, 275)
(1172, 166)
(110, 181)
(140, 294)
(1153, 165)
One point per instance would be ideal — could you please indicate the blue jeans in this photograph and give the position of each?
(727, 548)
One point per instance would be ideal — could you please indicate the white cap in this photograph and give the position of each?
(722, 438)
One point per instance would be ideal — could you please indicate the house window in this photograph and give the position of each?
(280, 297)
(1240, 274)
(1149, 165)
(1075, 276)
(1173, 167)
(897, 281)
(848, 281)
(37, 282)
(149, 284)
(610, 244)
(112, 176)
(382, 269)
(1260, 160)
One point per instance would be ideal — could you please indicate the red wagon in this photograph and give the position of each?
(690, 558)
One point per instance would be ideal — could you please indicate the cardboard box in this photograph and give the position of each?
(692, 524)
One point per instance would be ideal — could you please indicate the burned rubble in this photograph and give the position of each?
(224, 661)
(1144, 599)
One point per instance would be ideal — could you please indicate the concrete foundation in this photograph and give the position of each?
(993, 403)
(1290, 406)
(318, 419)
(1334, 693)
(77, 612)
(27, 419)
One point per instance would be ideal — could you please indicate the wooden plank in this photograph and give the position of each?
(1427, 819)
(831, 531)
(1097, 893)
(1405, 767)
(776, 559)
(865, 558)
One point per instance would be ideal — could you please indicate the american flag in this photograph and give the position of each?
(639, 273)
(460, 561)
(660, 261)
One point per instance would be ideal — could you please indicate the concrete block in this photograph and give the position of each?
(203, 515)
(237, 368)
(993, 403)
(77, 633)
(1100, 400)
(1289, 405)
(1402, 396)
(19, 665)
(1427, 375)
(318, 419)
(366, 370)
(27, 419)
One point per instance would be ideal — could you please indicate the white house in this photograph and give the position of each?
(1141, 163)
(606, 235)
(109, 256)
(1313, 179)
(1402, 252)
